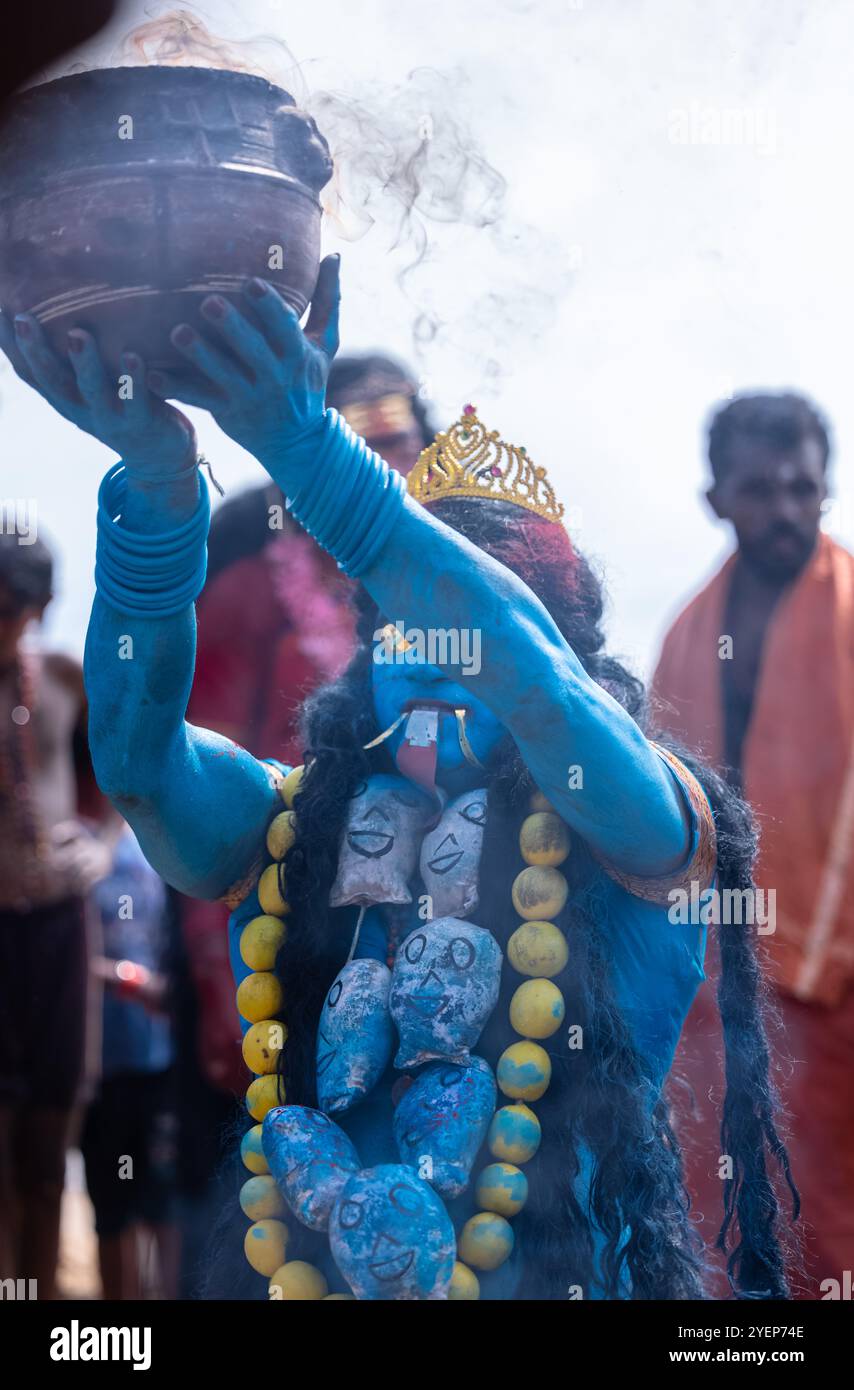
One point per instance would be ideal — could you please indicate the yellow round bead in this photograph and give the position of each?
(539, 893)
(486, 1241)
(537, 1009)
(265, 1245)
(544, 839)
(539, 803)
(298, 1282)
(464, 1284)
(260, 941)
(502, 1188)
(263, 1042)
(538, 948)
(251, 1151)
(291, 786)
(259, 996)
(524, 1071)
(262, 1095)
(514, 1134)
(270, 894)
(281, 834)
(260, 1198)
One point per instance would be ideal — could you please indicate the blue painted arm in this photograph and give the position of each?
(627, 805)
(198, 803)
(587, 755)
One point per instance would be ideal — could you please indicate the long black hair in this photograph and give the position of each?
(600, 1098)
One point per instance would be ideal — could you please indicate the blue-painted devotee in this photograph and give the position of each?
(459, 975)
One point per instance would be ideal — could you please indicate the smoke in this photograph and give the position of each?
(179, 38)
(405, 158)
(410, 172)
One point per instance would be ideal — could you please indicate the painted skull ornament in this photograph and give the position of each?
(379, 847)
(442, 1120)
(391, 1236)
(450, 856)
(444, 986)
(311, 1159)
(355, 1037)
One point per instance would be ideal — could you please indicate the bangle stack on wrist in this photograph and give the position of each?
(351, 499)
(151, 576)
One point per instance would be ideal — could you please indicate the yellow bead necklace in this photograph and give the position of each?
(537, 949)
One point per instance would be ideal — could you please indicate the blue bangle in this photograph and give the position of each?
(352, 499)
(152, 576)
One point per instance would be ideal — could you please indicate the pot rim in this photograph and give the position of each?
(91, 74)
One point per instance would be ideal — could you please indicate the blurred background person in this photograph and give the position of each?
(129, 1138)
(274, 621)
(757, 673)
(56, 837)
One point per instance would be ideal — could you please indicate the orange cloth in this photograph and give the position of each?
(815, 1047)
(798, 757)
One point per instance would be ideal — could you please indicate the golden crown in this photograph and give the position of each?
(468, 460)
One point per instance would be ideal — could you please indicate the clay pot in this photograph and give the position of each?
(128, 194)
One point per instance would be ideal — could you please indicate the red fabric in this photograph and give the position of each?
(205, 930)
(271, 627)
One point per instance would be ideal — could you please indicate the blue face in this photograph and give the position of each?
(397, 687)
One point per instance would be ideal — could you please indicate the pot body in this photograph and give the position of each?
(128, 194)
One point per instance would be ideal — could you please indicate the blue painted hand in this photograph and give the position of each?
(264, 385)
(153, 439)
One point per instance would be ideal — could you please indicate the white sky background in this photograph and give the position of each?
(675, 273)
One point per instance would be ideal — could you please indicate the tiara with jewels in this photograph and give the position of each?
(469, 460)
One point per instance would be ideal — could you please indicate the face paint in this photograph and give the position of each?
(391, 1236)
(450, 856)
(311, 1160)
(379, 847)
(443, 988)
(442, 1120)
(401, 689)
(355, 1037)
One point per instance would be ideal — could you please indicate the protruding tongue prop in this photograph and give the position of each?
(419, 747)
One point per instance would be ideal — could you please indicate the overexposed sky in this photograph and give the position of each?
(678, 226)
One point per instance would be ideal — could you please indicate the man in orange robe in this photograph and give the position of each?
(757, 673)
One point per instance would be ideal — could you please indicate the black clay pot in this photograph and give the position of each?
(128, 194)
